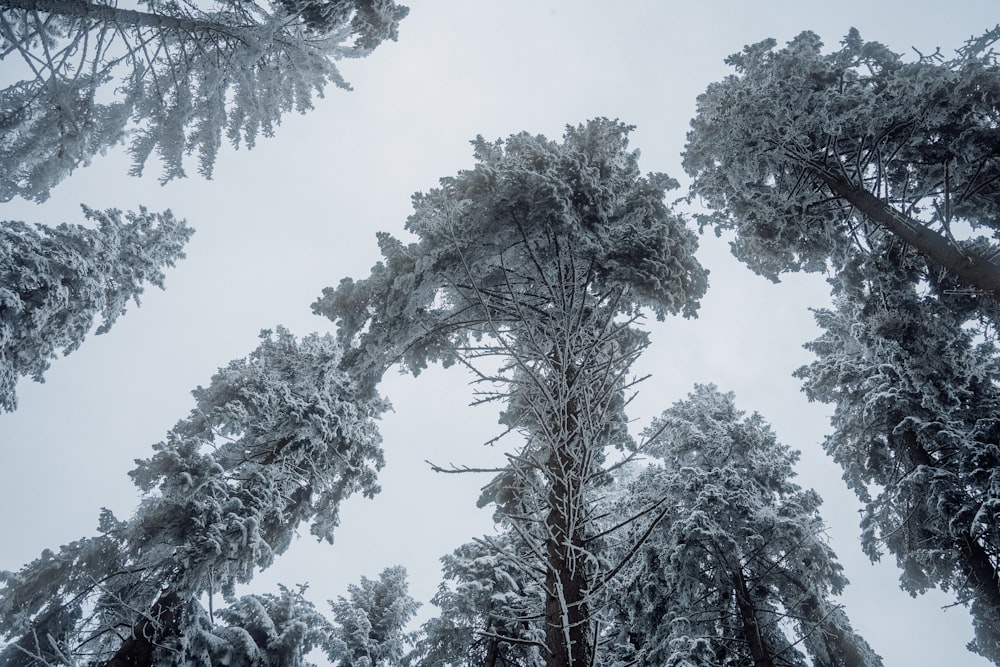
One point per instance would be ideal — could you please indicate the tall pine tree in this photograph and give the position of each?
(885, 172)
(277, 440)
(738, 571)
(544, 258)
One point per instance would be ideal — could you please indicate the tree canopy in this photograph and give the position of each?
(812, 157)
(530, 205)
(535, 270)
(55, 282)
(489, 610)
(723, 561)
(915, 430)
(738, 571)
(543, 257)
(278, 439)
(883, 172)
(184, 77)
(370, 625)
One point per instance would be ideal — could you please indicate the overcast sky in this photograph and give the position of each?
(301, 210)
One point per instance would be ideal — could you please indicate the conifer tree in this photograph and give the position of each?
(276, 440)
(738, 571)
(544, 257)
(55, 282)
(914, 381)
(723, 561)
(369, 626)
(491, 612)
(884, 172)
(814, 158)
(174, 78)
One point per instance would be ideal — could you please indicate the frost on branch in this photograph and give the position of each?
(815, 158)
(883, 172)
(369, 626)
(514, 223)
(738, 571)
(185, 77)
(544, 259)
(278, 439)
(913, 376)
(490, 615)
(55, 282)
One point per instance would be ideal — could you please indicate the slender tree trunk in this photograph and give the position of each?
(567, 614)
(492, 652)
(971, 267)
(567, 617)
(748, 617)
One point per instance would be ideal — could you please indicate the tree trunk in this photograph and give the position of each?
(85, 9)
(971, 267)
(161, 622)
(748, 617)
(567, 614)
(492, 652)
(978, 569)
(567, 617)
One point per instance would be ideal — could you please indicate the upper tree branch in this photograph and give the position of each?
(968, 265)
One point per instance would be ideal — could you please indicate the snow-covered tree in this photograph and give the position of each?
(883, 172)
(55, 282)
(738, 571)
(370, 626)
(542, 258)
(914, 379)
(255, 630)
(276, 440)
(812, 158)
(176, 78)
(490, 616)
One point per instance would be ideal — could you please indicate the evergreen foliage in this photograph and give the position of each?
(490, 616)
(722, 560)
(276, 440)
(885, 173)
(543, 257)
(55, 282)
(738, 571)
(177, 79)
(914, 380)
(814, 158)
(370, 626)
(534, 270)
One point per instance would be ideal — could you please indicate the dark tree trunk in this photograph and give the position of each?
(492, 652)
(748, 618)
(161, 622)
(974, 269)
(567, 614)
(567, 617)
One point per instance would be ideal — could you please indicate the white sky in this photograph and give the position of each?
(300, 212)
